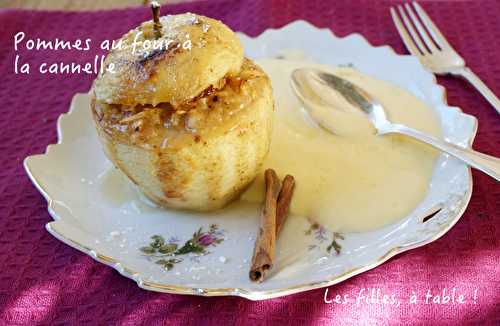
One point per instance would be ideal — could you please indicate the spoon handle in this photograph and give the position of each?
(486, 163)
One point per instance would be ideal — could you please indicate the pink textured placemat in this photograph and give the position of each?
(43, 281)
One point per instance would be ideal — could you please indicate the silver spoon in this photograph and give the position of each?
(314, 88)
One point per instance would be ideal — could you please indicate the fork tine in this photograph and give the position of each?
(413, 33)
(421, 30)
(431, 27)
(410, 46)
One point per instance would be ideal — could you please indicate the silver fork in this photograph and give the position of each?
(432, 49)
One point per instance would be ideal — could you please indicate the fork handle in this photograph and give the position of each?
(485, 163)
(470, 76)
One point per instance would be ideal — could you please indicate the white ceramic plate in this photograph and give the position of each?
(96, 210)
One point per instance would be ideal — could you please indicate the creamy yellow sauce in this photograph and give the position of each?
(351, 181)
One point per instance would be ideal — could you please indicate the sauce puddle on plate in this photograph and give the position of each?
(353, 181)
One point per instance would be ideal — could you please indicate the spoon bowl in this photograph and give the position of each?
(314, 88)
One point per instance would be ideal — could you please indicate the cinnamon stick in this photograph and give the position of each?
(263, 255)
(284, 199)
(276, 205)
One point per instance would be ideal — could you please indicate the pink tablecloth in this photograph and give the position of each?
(43, 281)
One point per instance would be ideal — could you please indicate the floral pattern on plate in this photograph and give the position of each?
(167, 253)
(321, 235)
